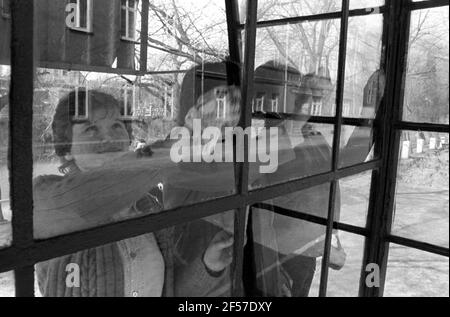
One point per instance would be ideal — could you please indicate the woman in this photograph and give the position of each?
(103, 183)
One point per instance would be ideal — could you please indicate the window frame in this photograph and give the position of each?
(25, 251)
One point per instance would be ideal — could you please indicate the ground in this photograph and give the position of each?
(422, 212)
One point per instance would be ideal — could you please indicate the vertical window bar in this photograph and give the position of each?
(144, 36)
(397, 51)
(245, 119)
(20, 156)
(336, 145)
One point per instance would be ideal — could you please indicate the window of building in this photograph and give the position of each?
(221, 104)
(128, 19)
(316, 107)
(274, 102)
(81, 15)
(129, 101)
(259, 101)
(5, 8)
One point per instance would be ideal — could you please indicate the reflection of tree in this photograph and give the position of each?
(426, 93)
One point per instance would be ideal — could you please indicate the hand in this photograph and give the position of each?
(219, 253)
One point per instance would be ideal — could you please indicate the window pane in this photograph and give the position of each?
(190, 260)
(106, 167)
(5, 74)
(198, 34)
(60, 44)
(364, 81)
(286, 249)
(357, 4)
(7, 288)
(426, 87)
(421, 209)
(343, 281)
(354, 199)
(414, 273)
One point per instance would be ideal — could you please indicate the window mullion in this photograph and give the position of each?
(336, 145)
(20, 157)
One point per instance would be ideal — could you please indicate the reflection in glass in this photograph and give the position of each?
(345, 281)
(426, 87)
(357, 4)
(422, 194)
(7, 288)
(414, 273)
(87, 33)
(354, 199)
(271, 9)
(190, 260)
(286, 249)
(364, 82)
(182, 33)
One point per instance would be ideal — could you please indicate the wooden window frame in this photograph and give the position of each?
(25, 252)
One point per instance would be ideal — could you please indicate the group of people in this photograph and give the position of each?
(103, 181)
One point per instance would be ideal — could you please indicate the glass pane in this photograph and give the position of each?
(286, 249)
(422, 193)
(296, 82)
(190, 260)
(271, 9)
(357, 4)
(364, 81)
(414, 273)
(7, 288)
(198, 33)
(354, 199)
(5, 74)
(343, 281)
(109, 147)
(357, 145)
(60, 44)
(426, 87)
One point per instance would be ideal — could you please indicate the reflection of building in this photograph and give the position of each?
(80, 32)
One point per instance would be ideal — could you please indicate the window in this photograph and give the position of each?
(81, 15)
(81, 103)
(128, 19)
(274, 102)
(332, 198)
(129, 101)
(5, 8)
(259, 101)
(316, 107)
(221, 102)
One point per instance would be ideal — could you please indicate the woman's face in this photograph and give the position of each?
(101, 139)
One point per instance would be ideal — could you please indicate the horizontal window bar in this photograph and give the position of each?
(311, 218)
(90, 68)
(315, 17)
(427, 247)
(426, 127)
(359, 122)
(14, 257)
(428, 4)
(292, 186)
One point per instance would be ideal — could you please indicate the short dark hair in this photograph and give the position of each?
(63, 119)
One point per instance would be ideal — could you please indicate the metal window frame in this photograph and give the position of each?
(25, 251)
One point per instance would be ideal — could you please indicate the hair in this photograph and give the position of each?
(63, 119)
